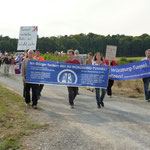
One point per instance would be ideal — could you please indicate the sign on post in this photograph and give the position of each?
(111, 52)
(27, 38)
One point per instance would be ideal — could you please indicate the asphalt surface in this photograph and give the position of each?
(123, 124)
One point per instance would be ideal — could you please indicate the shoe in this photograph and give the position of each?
(28, 104)
(148, 100)
(34, 107)
(102, 103)
(71, 106)
(110, 96)
(98, 105)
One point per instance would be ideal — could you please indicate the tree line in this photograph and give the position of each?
(127, 46)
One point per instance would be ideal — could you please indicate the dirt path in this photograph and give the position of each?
(123, 124)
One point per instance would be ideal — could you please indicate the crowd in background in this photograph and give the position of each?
(11, 62)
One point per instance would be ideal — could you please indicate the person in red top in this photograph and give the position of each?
(39, 58)
(110, 82)
(73, 91)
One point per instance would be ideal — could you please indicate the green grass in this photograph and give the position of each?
(126, 60)
(14, 122)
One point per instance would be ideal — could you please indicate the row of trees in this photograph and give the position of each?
(128, 46)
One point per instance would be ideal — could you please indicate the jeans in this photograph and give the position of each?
(73, 91)
(146, 85)
(98, 97)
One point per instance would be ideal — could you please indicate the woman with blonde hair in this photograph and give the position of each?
(98, 59)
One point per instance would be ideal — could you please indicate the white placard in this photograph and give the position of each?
(111, 52)
(27, 38)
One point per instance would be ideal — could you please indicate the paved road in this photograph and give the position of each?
(124, 124)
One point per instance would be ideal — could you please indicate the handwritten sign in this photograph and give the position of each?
(111, 52)
(27, 38)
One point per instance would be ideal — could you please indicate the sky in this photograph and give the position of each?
(68, 17)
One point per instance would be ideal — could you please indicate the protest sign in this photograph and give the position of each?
(27, 38)
(47, 72)
(111, 52)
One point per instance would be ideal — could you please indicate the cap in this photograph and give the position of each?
(76, 51)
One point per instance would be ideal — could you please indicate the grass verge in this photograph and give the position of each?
(14, 121)
(129, 88)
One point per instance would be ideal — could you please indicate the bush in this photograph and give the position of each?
(124, 60)
(51, 57)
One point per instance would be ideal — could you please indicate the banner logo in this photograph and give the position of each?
(67, 76)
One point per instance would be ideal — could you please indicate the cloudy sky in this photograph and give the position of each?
(65, 17)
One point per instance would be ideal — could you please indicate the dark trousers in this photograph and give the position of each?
(40, 88)
(73, 91)
(110, 84)
(0, 63)
(34, 88)
(24, 90)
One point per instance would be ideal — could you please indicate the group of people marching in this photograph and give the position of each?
(98, 59)
(73, 58)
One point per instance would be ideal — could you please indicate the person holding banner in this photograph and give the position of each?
(110, 82)
(39, 58)
(146, 80)
(29, 85)
(99, 60)
(73, 91)
(24, 57)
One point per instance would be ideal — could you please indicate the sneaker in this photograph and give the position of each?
(102, 103)
(34, 107)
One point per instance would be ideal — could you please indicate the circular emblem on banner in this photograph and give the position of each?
(67, 76)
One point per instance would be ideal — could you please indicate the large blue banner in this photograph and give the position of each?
(47, 72)
(137, 70)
